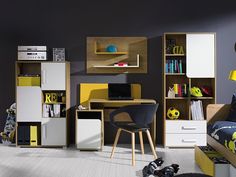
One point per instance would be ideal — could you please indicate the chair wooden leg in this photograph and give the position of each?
(151, 144)
(115, 142)
(133, 149)
(141, 141)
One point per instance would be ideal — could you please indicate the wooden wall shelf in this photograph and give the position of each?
(111, 66)
(111, 53)
(130, 50)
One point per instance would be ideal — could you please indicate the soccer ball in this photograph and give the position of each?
(173, 113)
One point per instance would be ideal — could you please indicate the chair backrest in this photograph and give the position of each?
(141, 114)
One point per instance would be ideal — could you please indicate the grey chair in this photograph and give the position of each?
(141, 116)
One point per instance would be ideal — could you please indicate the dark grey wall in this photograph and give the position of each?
(59, 23)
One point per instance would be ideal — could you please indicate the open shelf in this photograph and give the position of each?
(111, 53)
(202, 98)
(111, 66)
(176, 74)
(175, 55)
(116, 66)
(177, 98)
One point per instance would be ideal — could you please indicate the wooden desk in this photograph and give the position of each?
(110, 105)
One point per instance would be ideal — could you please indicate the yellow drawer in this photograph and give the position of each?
(28, 81)
(205, 161)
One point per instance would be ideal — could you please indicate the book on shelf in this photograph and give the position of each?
(53, 110)
(174, 66)
(181, 90)
(197, 110)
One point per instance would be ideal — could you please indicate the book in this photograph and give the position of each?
(56, 110)
(197, 110)
(180, 66)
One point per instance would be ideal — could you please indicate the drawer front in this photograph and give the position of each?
(185, 140)
(185, 127)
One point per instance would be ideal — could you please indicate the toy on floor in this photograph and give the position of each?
(153, 168)
(8, 135)
(168, 171)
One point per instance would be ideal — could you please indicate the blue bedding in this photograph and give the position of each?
(225, 133)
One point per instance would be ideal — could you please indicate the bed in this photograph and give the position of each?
(221, 132)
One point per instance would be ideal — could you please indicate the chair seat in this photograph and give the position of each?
(132, 127)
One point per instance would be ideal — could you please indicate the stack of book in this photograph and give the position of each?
(197, 110)
(174, 66)
(52, 110)
(181, 90)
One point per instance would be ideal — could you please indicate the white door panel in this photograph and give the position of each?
(88, 134)
(29, 104)
(53, 76)
(53, 131)
(200, 55)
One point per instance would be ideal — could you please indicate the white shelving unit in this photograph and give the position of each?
(55, 80)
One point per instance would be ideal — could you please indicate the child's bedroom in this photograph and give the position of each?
(118, 88)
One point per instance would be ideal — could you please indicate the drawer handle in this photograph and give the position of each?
(188, 128)
(189, 141)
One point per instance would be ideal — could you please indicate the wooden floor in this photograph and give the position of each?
(46, 162)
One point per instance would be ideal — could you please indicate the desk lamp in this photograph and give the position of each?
(232, 75)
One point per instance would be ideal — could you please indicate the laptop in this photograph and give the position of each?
(117, 91)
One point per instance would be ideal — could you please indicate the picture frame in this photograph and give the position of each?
(58, 54)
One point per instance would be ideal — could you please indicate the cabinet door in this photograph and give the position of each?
(200, 55)
(88, 134)
(53, 131)
(53, 76)
(29, 106)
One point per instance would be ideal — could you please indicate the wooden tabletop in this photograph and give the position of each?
(123, 101)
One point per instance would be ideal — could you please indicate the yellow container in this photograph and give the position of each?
(28, 81)
(33, 136)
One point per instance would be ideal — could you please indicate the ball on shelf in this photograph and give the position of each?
(173, 113)
(111, 48)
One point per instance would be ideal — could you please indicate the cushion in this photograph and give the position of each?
(232, 111)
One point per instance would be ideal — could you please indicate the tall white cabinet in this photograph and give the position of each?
(43, 101)
(188, 61)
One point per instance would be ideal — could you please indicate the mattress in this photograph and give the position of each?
(225, 133)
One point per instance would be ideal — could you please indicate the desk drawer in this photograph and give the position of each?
(185, 140)
(185, 126)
